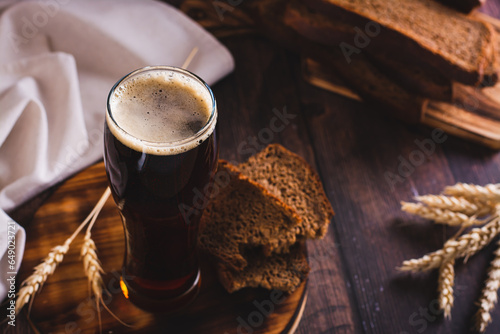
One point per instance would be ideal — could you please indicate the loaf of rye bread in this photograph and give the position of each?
(465, 6)
(453, 43)
(374, 86)
(291, 179)
(283, 272)
(418, 79)
(421, 79)
(244, 215)
(471, 98)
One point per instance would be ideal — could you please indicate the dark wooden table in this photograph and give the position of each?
(354, 286)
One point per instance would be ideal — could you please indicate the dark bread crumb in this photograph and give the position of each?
(244, 216)
(283, 272)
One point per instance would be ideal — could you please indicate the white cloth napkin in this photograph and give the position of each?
(58, 61)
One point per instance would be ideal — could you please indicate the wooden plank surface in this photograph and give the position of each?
(353, 285)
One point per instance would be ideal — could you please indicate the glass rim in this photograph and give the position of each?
(165, 144)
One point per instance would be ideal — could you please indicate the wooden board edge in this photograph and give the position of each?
(299, 315)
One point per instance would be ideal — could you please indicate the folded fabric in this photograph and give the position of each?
(58, 62)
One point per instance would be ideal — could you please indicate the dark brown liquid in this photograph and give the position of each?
(161, 260)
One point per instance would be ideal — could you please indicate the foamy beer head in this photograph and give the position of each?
(161, 110)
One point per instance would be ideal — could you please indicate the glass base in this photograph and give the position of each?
(170, 305)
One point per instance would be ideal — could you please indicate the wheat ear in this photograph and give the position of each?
(445, 286)
(91, 263)
(92, 266)
(93, 271)
(441, 216)
(466, 245)
(489, 295)
(453, 203)
(490, 192)
(34, 283)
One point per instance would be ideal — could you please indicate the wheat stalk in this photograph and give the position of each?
(460, 205)
(93, 270)
(453, 203)
(489, 295)
(190, 57)
(34, 283)
(445, 286)
(490, 192)
(92, 266)
(442, 216)
(465, 246)
(91, 263)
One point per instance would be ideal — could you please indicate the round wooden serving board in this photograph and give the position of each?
(64, 306)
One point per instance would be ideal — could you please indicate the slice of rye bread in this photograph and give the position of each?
(294, 182)
(244, 215)
(420, 79)
(283, 272)
(459, 46)
(465, 6)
